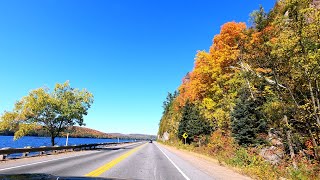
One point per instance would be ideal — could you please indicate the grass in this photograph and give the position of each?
(248, 162)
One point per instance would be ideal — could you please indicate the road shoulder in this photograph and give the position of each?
(205, 164)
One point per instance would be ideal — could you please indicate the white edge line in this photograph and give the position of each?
(14, 167)
(183, 174)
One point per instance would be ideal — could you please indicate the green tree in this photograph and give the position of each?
(170, 117)
(259, 18)
(55, 111)
(193, 123)
(169, 101)
(247, 120)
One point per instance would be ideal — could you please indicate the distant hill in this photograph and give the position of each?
(77, 131)
(84, 132)
(134, 136)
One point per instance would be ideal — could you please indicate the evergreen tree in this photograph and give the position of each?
(259, 19)
(246, 120)
(193, 123)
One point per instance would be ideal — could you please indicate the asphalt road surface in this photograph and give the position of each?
(131, 161)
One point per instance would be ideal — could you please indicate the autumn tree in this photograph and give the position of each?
(214, 81)
(55, 111)
(283, 54)
(260, 79)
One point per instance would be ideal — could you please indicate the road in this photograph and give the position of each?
(133, 161)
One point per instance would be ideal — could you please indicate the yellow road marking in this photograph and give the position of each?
(112, 163)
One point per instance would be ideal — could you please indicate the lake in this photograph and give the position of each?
(7, 141)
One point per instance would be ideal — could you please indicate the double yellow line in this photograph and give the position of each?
(112, 163)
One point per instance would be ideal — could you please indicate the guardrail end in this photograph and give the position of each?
(3, 157)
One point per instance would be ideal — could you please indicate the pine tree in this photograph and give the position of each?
(247, 121)
(193, 123)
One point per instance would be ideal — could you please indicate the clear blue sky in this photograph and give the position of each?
(128, 53)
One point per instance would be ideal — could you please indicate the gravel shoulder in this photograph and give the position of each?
(206, 164)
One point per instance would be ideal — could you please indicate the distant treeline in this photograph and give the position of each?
(82, 132)
(78, 132)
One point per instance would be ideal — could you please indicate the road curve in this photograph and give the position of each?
(134, 161)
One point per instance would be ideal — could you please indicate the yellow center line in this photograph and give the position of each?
(112, 163)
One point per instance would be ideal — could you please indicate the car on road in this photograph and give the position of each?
(150, 141)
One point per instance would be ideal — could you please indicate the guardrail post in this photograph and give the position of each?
(55, 151)
(25, 154)
(42, 152)
(73, 149)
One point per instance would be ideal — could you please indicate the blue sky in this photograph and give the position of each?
(129, 54)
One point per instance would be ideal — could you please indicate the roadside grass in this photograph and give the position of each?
(247, 161)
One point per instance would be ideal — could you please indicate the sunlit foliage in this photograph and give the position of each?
(55, 111)
(277, 62)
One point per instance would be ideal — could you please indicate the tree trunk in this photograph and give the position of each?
(248, 83)
(314, 104)
(290, 144)
(317, 95)
(52, 140)
(250, 89)
(314, 143)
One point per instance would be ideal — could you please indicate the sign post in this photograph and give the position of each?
(185, 135)
(67, 139)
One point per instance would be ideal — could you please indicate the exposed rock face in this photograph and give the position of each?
(272, 154)
(274, 139)
(165, 136)
(275, 152)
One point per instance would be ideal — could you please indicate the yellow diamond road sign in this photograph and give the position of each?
(185, 135)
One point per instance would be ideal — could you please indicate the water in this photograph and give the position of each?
(7, 141)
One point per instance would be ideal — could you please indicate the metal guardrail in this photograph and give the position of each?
(5, 152)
